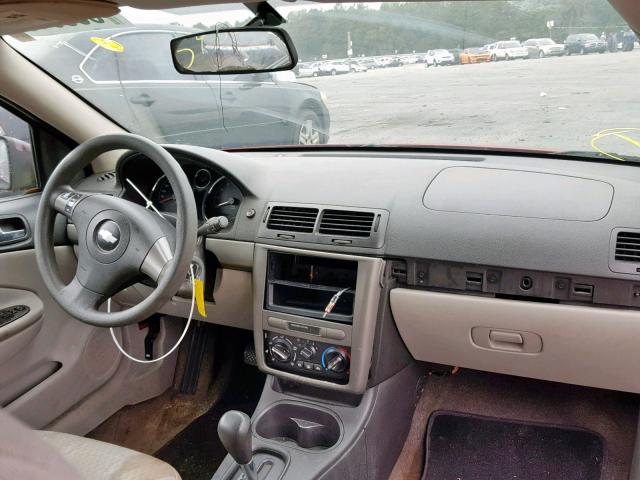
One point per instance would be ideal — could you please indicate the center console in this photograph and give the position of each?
(325, 411)
(315, 315)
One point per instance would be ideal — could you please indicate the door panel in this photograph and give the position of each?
(48, 361)
(84, 357)
(20, 320)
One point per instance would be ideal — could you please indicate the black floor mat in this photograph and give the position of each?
(463, 447)
(196, 452)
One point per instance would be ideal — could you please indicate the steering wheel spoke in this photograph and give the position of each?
(157, 259)
(77, 294)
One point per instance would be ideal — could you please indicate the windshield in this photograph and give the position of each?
(545, 41)
(581, 98)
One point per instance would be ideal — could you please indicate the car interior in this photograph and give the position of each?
(291, 312)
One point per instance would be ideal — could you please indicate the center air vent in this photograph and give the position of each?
(325, 224)
(346, 222)
(628, 246)
(292, 219)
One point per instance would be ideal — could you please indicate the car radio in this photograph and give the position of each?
(309, 287)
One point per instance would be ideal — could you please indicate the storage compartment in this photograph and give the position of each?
(312, 299)
(307, 427)
(596, 347)
(306, 285)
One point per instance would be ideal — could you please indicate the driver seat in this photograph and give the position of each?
(38, 455)
(97, 460)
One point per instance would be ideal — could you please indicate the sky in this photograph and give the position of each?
(210, 15)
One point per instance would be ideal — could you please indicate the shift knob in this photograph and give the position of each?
(234, 430)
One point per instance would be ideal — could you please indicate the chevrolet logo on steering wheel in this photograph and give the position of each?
(108, 235)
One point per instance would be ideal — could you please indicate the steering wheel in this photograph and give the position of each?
(119, 242)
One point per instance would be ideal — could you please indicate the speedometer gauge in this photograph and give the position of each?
(222, 199)
(162, 195)
(202, 178)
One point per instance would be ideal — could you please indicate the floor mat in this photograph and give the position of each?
(196, 452)
(463, 447)
(612, 415)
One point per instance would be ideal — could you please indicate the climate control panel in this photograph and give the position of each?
(307, 357)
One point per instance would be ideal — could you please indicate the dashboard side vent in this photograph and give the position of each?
(292, 219)
(106, 176)
(628, 246)
(346, 222)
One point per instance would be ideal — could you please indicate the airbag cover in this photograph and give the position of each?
(518, 193)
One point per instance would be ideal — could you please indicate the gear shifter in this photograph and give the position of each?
(234, 430)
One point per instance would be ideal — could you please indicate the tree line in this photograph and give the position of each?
(421, 26)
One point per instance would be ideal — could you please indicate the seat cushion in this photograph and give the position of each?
(97, 460)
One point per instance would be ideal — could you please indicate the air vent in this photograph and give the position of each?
(326, 225)
(106, 176)
(348, 223)
(292, 219)
(628, 246)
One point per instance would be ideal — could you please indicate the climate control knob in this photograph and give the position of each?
(335, 359)
(307, 352)
(281, 350)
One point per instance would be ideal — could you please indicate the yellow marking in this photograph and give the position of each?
(108, 44)
(621, 133)
(193, 55)
(199, 286)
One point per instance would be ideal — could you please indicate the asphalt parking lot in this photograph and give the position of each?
(553, 103)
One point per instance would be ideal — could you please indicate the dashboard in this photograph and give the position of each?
(502, 210)
(517, 264)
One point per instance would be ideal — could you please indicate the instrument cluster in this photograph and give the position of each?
(215, 194)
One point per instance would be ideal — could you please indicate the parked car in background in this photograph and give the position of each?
(308, 69)
(629, 40)
(170, 107)
(408, 60)
(334, 67)
(543, 47)
(357, 67)
(474, 55)
(584, 43)
(367, 62)
(439, 57)
(384, 62)
(507, 50)
(456, 55)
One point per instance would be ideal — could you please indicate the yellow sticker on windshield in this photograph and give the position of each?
(199, 286)
(192, 56)
(624, 134)
(108, 44)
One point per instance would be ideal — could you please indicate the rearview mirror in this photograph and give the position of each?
(234, 51)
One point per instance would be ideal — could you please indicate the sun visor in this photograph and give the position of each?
(23, 16)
